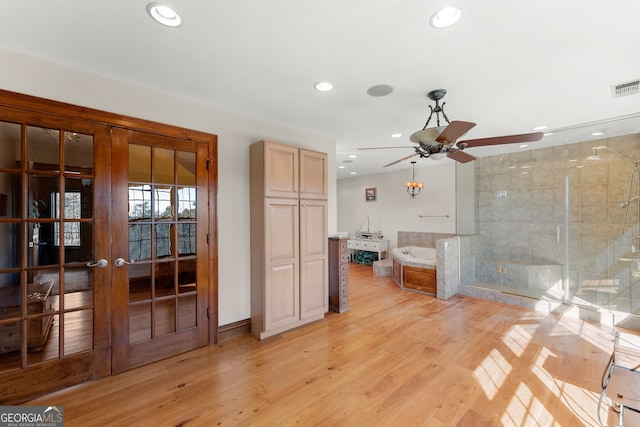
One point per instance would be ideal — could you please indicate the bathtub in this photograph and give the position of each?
(414, 268)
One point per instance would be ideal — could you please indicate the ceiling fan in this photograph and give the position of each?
(441, 141)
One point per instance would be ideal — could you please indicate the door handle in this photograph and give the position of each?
(119, 262)
(102, 263)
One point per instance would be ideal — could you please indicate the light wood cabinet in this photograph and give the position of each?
(289, 272)
(281, 168)
(313, 175)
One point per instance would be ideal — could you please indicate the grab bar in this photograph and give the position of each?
(433, 216)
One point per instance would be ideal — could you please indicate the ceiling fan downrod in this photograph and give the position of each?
(436, 95)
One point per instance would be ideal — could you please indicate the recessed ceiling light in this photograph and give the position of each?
(540, 127)
(352, 156)
(523, 145)
(341, 167)
(353, 173)
(323, 86)
(445, 17)
(164, 14)
(597, 133)
(548, 133)
(396, 135)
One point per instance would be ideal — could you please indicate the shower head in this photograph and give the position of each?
(595, 155)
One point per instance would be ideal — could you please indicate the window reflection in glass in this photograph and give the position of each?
(139, 202)
(72, 209)
(163, 240)
(187, 203)
(163, 202)
(139, 241)
(186, 239)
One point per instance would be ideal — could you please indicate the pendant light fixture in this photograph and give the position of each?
(413, 187)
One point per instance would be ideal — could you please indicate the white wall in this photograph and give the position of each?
(394, 210)
(235, 132)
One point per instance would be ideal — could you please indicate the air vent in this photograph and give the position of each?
(624, 89)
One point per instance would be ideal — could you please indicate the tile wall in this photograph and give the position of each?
(553, 207)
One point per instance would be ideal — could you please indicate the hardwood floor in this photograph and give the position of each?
(397, 358)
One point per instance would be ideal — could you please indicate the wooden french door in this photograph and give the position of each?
(54, 225)
(107, 254)
(159, 247)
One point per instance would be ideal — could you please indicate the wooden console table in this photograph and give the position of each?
(369, 245)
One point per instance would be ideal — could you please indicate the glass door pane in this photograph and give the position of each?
(604, 220)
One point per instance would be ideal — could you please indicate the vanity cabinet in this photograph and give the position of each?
(338, 274)
(289, 271)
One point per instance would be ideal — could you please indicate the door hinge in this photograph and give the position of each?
(208, 313)
(208, 161)
(207, 238)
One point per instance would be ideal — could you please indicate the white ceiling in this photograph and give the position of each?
(507, 65)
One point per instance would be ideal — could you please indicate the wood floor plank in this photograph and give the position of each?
(397, 358)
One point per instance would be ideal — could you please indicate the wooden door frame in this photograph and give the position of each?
(36, 106)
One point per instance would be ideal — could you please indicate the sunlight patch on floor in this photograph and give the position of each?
(583, 403)
(525, 409)
(543, 375)
(517, 340)
(589, 333)
(492, 373)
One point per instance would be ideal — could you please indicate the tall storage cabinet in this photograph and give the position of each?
(289, 271)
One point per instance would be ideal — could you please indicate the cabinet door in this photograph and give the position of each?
(281, 298)
(314, 298)
(280, 170)
(313, 175)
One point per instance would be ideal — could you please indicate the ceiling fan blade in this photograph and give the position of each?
(460, 156)
(401, 160)
(454, 131)
(386, 148)
(497, 140)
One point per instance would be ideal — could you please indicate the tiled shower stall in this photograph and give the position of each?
(554, 225)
